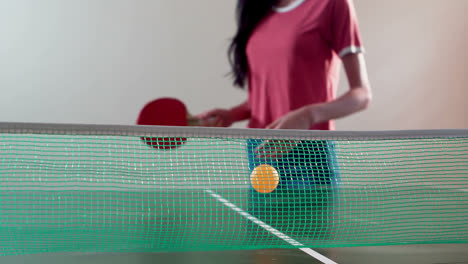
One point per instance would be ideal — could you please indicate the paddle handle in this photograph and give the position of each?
(195, 121)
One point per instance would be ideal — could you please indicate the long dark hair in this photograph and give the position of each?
(249, 14)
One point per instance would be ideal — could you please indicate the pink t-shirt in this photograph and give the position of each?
(294, 57)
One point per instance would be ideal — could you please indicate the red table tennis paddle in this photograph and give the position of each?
(166, 112)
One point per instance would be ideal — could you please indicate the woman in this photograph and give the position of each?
(289, 52)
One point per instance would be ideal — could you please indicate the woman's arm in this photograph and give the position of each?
(356, 99)
(240, 112)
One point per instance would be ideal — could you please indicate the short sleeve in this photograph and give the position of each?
(345, 34)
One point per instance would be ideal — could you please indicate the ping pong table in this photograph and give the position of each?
(432, 254)
(412, 254)
(108, 199)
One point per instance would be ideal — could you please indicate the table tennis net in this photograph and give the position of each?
(98, 189)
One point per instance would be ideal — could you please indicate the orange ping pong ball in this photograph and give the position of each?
(264, 179)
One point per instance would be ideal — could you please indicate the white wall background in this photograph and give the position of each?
(99, 61)
(417, 56)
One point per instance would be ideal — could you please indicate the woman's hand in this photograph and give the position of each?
(271, 149)
(225, 117)
(303, 119)
(217, 118)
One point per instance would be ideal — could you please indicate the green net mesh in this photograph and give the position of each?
(105, 189)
